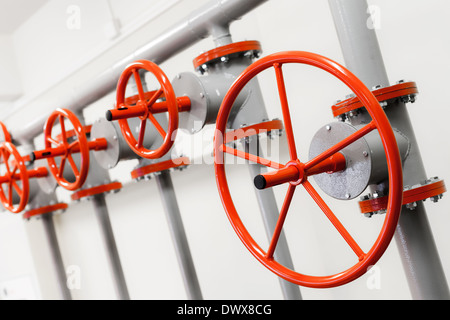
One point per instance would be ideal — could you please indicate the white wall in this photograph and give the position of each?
(10, 85)
(53, 58)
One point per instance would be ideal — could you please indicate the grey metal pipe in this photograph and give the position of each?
(108, 236)
(39, 198)
(420, 258)
(211, 19)
(359, 44)
(269, 209)
(172, 211)
(50, 232)
(178, 234)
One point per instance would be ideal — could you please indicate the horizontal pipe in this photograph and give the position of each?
(63, 150)
(210, 20)
(140, 110)
(39, 172)
(292, 173)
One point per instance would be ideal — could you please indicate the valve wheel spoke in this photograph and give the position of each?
(146, 106)
(61, 166)
(341, 145)
(61, 147)
(280, 222)
(158, 127)
(285, 110)
(150, 117)
(53, 141)
(250, 157)
(139, 86)
(295, 172)
(141, 133)
(63, 129)
(17, 188)
(73, 166)
(333, 219)
(15, 170)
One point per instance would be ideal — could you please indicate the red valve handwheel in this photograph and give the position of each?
(15, 171)
(143, 109)
(60, 146)
(6, 136)
(379, 122)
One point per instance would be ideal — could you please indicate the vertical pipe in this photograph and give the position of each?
(178, 234)
(50, 232)
(173, 215)
(269, 210)
(254, 111)
(47, 220)
(108, 237)
(414, 237)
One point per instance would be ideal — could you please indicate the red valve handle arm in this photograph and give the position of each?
(14, 170)
(140, 110)
(64, 145)
(40, 172)
(74, 147)
(295, 172)
(144, 106)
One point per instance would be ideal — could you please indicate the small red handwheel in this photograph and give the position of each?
(145, 107)
(63, 146)
(295, 173)
(4, 134)
(14, 180)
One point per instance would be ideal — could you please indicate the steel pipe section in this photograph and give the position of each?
(414, 237)
(212, 19)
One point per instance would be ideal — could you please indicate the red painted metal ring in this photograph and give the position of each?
(96, 190)
(409, 196)
(6, 135)
(81, 143)
(379, 122)
(254, 129)
(44, 210)
(383, 94)
(159, 166)
(143, 108)
(13, 168)
(226, 50)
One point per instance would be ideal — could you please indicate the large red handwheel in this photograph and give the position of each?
(145, 107)
(15, 171)
(63, 146)
(296, 173)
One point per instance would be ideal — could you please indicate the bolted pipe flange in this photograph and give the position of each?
(432, 189)
(405, 91)
(223, 54)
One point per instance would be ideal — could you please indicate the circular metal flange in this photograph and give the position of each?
(432, 188)
(85, 193)
(188, 84)
(255, 129)
(117, 148)
(160, 166)
(225, 52)
(351, 182)
(47, 184)
(4, 134)
(44, 210)
(399, 90)
(284, 175)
